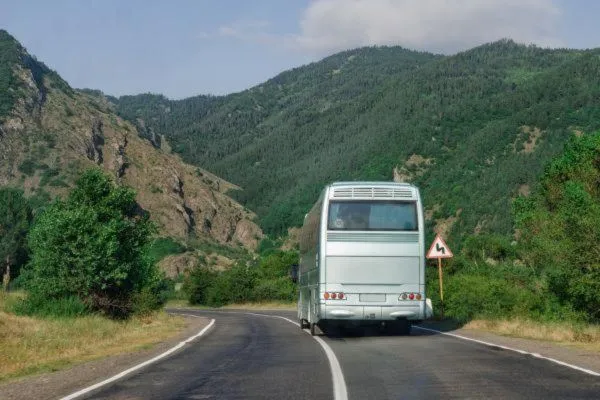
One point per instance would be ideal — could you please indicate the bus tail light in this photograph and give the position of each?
(334, 296)
(410, 296)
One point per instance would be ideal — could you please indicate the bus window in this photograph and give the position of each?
(373, 216)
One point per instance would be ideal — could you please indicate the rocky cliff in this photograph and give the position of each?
(52, 132)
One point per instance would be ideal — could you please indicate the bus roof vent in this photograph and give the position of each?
(363, 193)
(342, 192)
(383, 193)
(373, 193)
(403, 193)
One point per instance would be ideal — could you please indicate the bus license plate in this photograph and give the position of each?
(372, 297)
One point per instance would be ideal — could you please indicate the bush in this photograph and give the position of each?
(237, 284)
(64, 307)
(268, 246)
(469, 296)
(151, 298)
(276, 264)
(197, 284)
(282, 289)
(490, 246)
(92, 246)
(264, 280)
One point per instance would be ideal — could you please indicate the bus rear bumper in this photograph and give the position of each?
(402, 314)
(342, 314)
(376, 313)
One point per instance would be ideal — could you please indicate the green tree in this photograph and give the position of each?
(92, 246)
(197, 284)
(559, 226)
(15, 219)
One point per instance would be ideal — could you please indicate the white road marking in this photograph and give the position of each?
(339, 383)
(142, 365)
(536, 355)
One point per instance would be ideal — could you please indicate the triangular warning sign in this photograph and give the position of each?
(439, 249)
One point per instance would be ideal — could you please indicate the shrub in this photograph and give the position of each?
(468, 296)
(282, 289)
(198, 283)
(490, 246)
(63, 307)
(267, 279)
(92, 246)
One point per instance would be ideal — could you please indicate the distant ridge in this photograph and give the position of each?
(473, 129)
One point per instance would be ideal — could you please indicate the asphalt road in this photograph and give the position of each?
(247, 356)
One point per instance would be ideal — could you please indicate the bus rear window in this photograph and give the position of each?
(372, 216)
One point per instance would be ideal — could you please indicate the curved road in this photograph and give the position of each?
(249, 356)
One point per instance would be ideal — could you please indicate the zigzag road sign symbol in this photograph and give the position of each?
(439, 249)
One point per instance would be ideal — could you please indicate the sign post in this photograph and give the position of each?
(439, 249)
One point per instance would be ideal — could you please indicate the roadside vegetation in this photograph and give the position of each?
(82, 284)
(87, 254)
(581, 335)
(548, 274)
(31, 345)
(264, 279)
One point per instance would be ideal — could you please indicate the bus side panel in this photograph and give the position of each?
(309, 262)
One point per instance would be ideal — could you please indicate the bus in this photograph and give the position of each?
(362, 258)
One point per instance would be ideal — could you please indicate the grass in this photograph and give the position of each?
(31, 345)
(581, 335)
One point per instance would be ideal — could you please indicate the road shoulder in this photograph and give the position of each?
(565, 352)
(61, 383)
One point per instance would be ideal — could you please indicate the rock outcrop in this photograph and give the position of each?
(54, 132)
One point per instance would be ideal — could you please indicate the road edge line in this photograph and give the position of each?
(340, 392)
(536, 355)
(141, 365)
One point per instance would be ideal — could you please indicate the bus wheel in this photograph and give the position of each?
(313, 329)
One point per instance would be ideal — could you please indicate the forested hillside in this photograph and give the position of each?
(473, 130)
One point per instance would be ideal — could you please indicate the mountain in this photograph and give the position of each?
(473, 130)
(50, 132)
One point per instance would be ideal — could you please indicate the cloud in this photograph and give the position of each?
(445, 26)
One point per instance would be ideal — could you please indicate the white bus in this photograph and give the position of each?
(362, 258)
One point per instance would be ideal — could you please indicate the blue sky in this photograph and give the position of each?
(184, 47)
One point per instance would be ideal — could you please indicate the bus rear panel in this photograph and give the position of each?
(362, 256)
